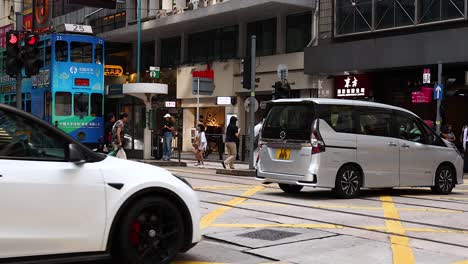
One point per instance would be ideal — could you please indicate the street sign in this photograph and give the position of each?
(282, 72)
(154, 72)
(247, 105)
(206, 86)
(427, 76)
(438, 92)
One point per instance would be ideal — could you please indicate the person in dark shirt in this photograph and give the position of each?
(232, 136)
(167, 132)
(110, 120)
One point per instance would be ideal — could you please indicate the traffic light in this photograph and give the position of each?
(13, 60)
(281, 90)
(32, 62)
(247, 73)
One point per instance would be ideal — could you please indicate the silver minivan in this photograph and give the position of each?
(347, 145)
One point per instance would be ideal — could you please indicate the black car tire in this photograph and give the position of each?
(444, 180)
(348, 182)
(289, 188)
(151, 231)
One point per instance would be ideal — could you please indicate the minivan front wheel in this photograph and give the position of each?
(289, 188)
(348, 182)
(444, 180)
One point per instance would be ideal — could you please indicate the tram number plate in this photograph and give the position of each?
(283, 154)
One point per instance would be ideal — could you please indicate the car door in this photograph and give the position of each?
(48, 205)
(416, 162)
(377, 151)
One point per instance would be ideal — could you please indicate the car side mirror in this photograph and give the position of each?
(75, 155)
(429, 139)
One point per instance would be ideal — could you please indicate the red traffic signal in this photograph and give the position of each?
(32, 40)
(12, 38)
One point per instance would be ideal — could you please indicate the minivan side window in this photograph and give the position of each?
(408, 128)
(339, 117)
(374, 122)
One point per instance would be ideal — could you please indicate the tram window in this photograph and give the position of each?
(81, 103)
(61, 50)
(63, 104)
(96, 105)
(81, 52)
(98, 54)
(48, 55)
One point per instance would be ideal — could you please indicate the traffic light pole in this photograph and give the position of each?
(19, 77)
(438, 117)
(252, 103)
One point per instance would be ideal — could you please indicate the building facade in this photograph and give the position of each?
(389, 51)
(184, 37)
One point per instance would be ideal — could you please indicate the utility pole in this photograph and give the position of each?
(139, 40)
(252, 103)
(19, 77)
(439, 82)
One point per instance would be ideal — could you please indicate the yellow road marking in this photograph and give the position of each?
(264, 204)
(381, 208)
(437, 197)
(402, 252)
(277, 225)
(461, 262)
(222, 187)
(209, 218)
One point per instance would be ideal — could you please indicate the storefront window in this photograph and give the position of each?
(299, 28)
(170, 52)
(265, 31)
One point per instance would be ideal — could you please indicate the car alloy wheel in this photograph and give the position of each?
(348, 182)
(444, 180)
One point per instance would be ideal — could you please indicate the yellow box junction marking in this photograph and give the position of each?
(209, 218)
(462, 262)
(402, 252)
(306, 226)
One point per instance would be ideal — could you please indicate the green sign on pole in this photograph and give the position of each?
(154, 72)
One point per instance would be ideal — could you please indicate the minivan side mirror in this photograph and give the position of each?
(75, 155)
(429, 139)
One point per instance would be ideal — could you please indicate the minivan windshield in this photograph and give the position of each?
(294, 120)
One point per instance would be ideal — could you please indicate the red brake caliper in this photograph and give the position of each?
(135, 230)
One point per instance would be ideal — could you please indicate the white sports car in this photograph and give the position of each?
(61, 201)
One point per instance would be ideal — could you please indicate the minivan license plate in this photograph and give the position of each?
(283, 154)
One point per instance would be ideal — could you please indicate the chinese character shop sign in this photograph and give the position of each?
(358, 85)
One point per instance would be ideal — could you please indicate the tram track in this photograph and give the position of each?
(242, 178)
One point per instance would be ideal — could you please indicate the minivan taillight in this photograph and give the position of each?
(316, 140)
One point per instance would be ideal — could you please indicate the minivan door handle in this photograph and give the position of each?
(405, 146)
(391, 144)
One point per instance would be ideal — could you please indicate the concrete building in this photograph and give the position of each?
(392, 49)
(182, 37)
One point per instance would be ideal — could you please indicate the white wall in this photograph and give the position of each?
(5, 6)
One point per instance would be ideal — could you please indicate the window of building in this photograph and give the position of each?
(81, 104)
(375, 122)
(298, 31)
(217, 44)
(170, 52)
(96, 105)
(394, 13)
(265, 31)
(61, 50)
(81, 52)
(63, 104)
(431, 11)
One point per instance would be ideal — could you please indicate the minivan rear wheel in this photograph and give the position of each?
(289, 188)
(444, 180)
(348, 182)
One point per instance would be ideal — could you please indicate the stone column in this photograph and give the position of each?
(280, 34)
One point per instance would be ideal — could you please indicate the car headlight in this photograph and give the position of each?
(183, 180)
